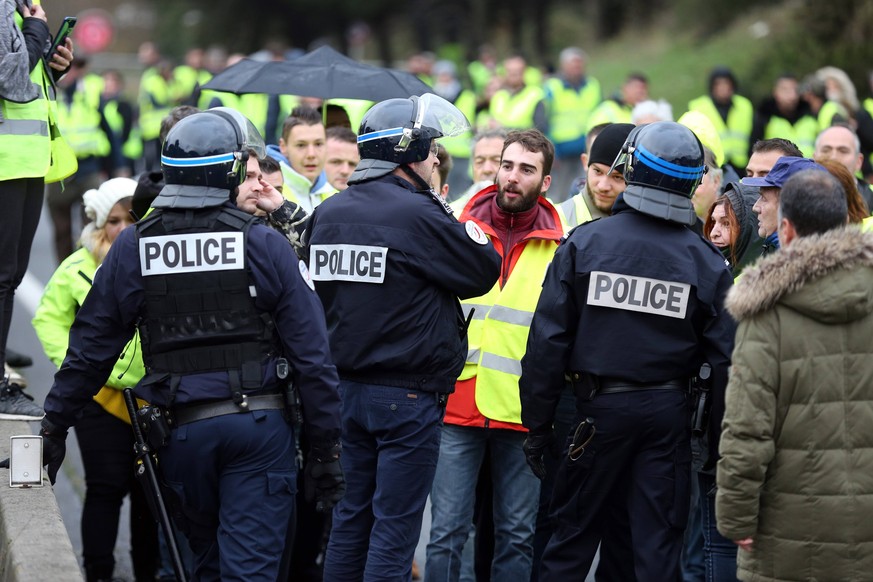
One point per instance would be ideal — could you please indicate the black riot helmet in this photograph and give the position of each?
(663, 165)
(400, 131)
(204, 158)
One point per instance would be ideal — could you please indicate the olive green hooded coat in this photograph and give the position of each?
(796, 468)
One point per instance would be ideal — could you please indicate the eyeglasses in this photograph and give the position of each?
(584, 433)
(434, 148)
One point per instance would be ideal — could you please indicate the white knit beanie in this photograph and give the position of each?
(99, 202)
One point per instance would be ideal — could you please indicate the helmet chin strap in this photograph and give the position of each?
(416, 179)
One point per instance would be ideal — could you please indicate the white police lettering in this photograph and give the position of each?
(359, 263)
(191, 253)
(666, 298)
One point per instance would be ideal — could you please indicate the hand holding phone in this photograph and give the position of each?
(61, 37)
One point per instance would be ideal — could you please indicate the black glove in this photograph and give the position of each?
(535, 446)
(54, 447)
(323, 480)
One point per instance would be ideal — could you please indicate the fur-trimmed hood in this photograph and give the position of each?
(828, 277)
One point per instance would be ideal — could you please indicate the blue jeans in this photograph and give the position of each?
(516, 493)
(693, 568)
(719, 553)
(391, 441)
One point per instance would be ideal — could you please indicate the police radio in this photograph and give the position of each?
(700, 388)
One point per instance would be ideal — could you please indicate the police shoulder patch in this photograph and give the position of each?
(475, 232)
(304, 272)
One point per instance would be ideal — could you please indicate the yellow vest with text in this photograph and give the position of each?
(735, 134)
(79, 119)
(802, 132)
(515, 111)
(569, 109)
(25, 145)
(497, 336)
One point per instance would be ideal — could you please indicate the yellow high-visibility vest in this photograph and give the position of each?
(802, 132)
(609, 111)
(25, 146)
(155, 103)
(735, 134)
(574, 211)
(497, 336)
(569, 109)
(515, 111)
(79, 119)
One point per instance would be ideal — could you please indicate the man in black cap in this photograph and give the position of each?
(602, 186)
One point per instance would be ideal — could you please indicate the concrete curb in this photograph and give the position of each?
(34, 545)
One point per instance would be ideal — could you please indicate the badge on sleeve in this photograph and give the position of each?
(304, 272)
(475, 233)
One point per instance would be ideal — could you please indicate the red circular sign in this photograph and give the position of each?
(93, 32)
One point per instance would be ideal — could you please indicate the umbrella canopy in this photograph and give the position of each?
(321, 73)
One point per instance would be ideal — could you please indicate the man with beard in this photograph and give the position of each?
(603, 182)
(483, 414)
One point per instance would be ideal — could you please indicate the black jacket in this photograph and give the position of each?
(671, 319)
(390, 263)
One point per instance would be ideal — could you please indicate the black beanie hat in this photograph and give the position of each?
(608, 144)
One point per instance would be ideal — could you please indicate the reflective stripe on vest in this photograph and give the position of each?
(736, 132)
(497, 336)
(25, 146)
(569, 109)
(516, 111)
(24, 127)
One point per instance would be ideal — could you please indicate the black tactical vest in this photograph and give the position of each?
(200, 314)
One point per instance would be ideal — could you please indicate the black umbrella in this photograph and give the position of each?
(321, 73)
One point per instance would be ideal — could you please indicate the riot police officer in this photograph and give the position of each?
(631, 306)
(389, 262)
(224, 313)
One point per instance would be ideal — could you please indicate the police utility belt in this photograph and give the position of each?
(586, 386)
(185, 414)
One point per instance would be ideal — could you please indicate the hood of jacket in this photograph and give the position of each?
(827, 277)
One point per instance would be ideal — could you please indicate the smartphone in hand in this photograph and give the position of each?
(61, 37)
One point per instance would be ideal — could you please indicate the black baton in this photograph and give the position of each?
(147, 476)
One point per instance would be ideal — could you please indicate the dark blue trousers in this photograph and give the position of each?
(640, 459)
(391, 442)
(234, 480)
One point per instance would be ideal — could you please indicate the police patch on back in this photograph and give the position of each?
(665, 298)
(358, 263)
(191, 253)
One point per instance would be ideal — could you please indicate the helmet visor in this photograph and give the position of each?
(439, 116)
(250, 137)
